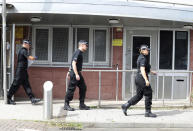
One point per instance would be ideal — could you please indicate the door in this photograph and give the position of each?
(169, 56)
(134, 39)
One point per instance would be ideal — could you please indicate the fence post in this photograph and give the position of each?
(132, 84)
(190, 88)
(48, 105)
(163, 90)
(117, 83)
(67, 75)
(99, 99)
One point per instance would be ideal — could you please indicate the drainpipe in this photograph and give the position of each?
(4, 50)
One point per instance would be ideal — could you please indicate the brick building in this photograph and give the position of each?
(114, 30)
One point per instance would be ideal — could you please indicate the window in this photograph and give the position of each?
(83, 34)
(42, 44)
(100, 45)
(177, 43)
(99, 48)
(137, 42)
(51, 45)
(166, 49)
(56, 45)
(181, 50)
(60, 45)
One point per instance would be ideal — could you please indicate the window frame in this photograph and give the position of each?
(72, 47)
(150, 36)
(107, 47)
(34, 45)
(173, 47)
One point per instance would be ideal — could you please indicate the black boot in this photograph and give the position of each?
(67, 107)
(82, 106)
(125, 107)
(148, 113)
(10, 101)
(35, 100)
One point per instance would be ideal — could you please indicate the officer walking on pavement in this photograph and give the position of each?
(76, 78)
(143, 86)
(21, 75)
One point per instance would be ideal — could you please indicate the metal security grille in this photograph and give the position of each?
(100, 45)
(60, 45)
(83, 34)
(42, 44)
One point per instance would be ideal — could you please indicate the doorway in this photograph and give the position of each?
(134, 39)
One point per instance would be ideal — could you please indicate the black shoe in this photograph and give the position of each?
(150, 114)
(11, 102)
(84, 107)
(35, 100)
(67, 107)
(125, 107)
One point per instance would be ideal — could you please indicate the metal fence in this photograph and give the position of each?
(132, 84)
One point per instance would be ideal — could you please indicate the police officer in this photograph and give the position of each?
(21, 76)
(143, 86)
(76, 78)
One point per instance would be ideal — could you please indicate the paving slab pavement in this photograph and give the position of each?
(109, 115)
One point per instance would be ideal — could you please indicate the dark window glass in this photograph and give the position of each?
(60, 45)
(100, 45)
(83, 34)
(137, 42)
(166, 49)
(181, 50)
(41, 44)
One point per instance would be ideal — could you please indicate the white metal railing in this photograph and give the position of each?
(132, 84)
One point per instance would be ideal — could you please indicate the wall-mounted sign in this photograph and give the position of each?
(117, 42)
(18, 35)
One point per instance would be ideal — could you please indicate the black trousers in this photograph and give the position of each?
(73, 83)
(21, 78)
(142, 90)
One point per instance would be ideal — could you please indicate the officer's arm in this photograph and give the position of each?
(74, 67)
(154, 72)
(143, 73)
(26, 54)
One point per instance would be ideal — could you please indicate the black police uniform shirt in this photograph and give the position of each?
(142, 61)
(22, 61)
(78, 57)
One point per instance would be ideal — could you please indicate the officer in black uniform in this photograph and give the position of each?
(143, 86)
(21, 75)
(76, 78)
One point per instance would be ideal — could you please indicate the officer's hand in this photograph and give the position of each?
(77, 77)
(147, 83)
(31, 58)
(68, 75)
(154, 73)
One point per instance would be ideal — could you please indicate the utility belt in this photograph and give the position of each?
(140, 74)
(71, 71)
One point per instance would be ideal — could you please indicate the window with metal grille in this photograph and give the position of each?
(41, 44)
(54, 46)
(83, 34)
(60, 45)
